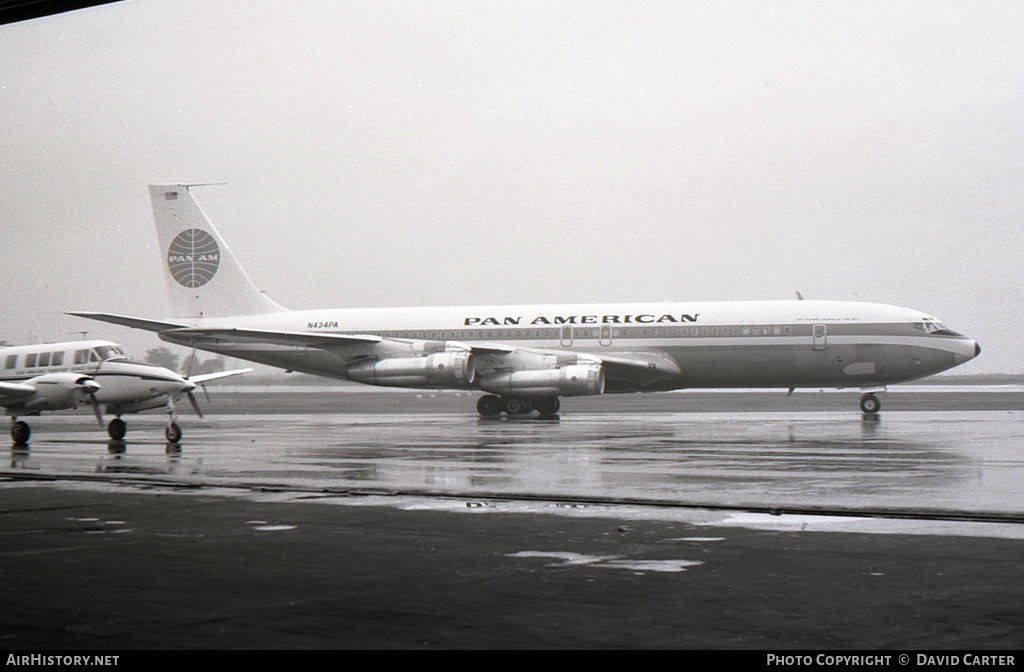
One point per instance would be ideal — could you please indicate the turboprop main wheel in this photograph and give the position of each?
(20, 432)
(173, 432)
(489, 406)
(117, 428)
(870, 404)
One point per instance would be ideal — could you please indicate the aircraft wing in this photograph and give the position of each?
(133, 322)
(13, 392)
(292, 338)
(628, 371)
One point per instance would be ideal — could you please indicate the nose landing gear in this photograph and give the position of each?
(870, 404)
(20, 431)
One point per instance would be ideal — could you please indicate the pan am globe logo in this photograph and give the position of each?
(193, 258)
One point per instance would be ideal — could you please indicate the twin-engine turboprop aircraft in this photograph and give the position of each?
(523, 358)
(58, 376)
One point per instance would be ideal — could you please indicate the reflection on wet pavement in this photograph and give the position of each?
(922, 460)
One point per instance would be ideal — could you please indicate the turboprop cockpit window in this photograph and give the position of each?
(106, 352)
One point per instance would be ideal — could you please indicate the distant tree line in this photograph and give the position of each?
(190, 366)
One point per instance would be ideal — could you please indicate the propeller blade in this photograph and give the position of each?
(191, 361)
(195, 404)
(96, 409)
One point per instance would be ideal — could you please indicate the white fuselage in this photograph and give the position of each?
(780, 344)
(121, 382)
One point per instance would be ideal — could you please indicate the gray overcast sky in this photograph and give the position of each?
(466, 152)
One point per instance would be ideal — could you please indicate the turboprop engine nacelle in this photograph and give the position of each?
(576, 380)
(55, 391)
(449, 369)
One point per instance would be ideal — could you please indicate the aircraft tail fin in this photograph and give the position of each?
(203, 278)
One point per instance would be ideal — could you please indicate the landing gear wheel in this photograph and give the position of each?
(547, 405)
(173, 432)
(870, 404)
(489, 406)
(518, 406)
(116, 429)
(20, 432)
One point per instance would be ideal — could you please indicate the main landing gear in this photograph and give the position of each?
(118, 427)
(492, 406)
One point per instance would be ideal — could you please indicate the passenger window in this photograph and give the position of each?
(57, 358)
(81, 356)
(30, 360)
(11, 362)
(44, 359)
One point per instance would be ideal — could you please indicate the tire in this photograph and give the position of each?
(117, 429)
(20, 431)
(489, 406)
(173, 432)
(518, 407)
(870, 404)
(547, 405)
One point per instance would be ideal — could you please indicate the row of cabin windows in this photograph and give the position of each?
(56, 358)
(594, 332)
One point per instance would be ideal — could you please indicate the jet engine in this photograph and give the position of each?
(55, 391)
(576, 380)
(449, 369)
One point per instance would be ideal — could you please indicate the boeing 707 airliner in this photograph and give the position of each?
(523, 358)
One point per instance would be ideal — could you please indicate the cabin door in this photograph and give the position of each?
(819, 337)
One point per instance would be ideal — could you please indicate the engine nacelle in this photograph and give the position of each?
(55, 391)
(449, 369)
(576, 380)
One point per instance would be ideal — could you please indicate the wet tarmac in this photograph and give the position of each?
(730, 529)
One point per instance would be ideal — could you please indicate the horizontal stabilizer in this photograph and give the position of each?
(207, 377)
(133, 322)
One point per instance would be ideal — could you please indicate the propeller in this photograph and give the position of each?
(195, 404)
(188, 393)
(91, 387)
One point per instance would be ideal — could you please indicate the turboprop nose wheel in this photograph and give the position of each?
(117, 429)
(20, 432)
(173, 433)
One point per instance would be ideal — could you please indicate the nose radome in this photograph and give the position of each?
(965, 354)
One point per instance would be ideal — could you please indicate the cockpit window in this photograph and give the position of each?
(106, 352)
(933, 326)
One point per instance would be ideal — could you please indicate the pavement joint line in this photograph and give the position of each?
(903, 514)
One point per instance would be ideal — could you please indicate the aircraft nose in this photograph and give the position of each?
(968, 351)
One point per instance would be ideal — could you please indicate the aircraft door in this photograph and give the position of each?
(819, 336)
(566, 335)
(606, 335)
